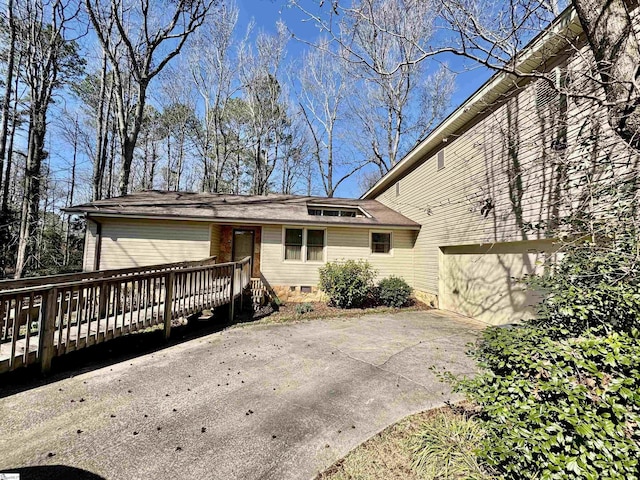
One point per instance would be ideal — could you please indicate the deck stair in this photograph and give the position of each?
(259, 293)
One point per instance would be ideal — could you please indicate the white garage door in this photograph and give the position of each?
(482, 281)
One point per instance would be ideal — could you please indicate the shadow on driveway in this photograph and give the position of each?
(114, 351)
(50, 472)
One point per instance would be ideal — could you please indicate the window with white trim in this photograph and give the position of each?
(381, 242)
(315, 245)
(293, 244)
(304, 244)
(323, 211)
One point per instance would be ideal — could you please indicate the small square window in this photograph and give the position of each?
(380, 242)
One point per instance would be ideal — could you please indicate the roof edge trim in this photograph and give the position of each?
(240, 221)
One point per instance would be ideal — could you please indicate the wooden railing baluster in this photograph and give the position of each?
(27, 323)
(168, 302)
(77, 314)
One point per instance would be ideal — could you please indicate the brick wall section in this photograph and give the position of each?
(226, 245)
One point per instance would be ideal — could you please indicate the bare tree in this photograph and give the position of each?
(492, 34)
(17, 115)
(73, 136)
(324, 90)
(139, 45)
(215, 77)
(104, 115)
(50, 59)
(177, 120)
(386, 44)
(262, 91)
(95, 93)
(5, 107)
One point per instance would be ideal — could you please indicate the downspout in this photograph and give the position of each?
(96, 255)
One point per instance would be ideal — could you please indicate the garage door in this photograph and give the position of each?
(482, 281)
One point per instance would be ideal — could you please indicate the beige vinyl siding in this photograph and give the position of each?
(343, 243)
(215, 237)
(505, 160)
(131, 243)
(88, 257)
(354, 244)
(482, 281)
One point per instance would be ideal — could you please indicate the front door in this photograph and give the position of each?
(243, 245)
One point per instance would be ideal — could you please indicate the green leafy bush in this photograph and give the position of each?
(347, 284)
(558, 409)
(393, 292)
(303, 308)
(275, 303)
(594, 286)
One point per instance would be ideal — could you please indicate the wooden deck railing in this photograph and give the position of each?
(12, 284)
(40, 322)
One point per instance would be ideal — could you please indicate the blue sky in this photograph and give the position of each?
(267, 12)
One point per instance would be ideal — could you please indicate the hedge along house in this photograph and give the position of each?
(288, 237)
(492, 183)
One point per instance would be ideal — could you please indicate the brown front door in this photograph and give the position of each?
(243, 241)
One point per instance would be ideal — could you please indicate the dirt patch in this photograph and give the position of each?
(294, 312)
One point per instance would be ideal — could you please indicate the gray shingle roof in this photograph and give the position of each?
(289, 209)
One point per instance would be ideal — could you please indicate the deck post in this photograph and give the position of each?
(241, 288)
(232, 288)
(48, 309)
(168, 303)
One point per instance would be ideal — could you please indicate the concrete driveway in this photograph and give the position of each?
(268, 402)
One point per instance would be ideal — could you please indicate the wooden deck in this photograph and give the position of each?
(44, 320)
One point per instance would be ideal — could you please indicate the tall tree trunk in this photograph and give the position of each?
(71, 192)
(615, 46)
(129, 132)
(101, 131)
(154, 161)
(6, 99)
(168, 178)
(32, 181)
(6, 188)
(128, 149)
(112, 155)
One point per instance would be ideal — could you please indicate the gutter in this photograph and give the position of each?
(240, 221)
(531, 57)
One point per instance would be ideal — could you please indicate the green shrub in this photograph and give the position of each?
(347, 284)
(558, 409)
(303, 308)
(393, 292)
(445, 447)
(275, 303)
(593, 286)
